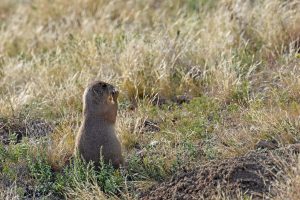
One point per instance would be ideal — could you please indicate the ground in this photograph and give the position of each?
(250, 175)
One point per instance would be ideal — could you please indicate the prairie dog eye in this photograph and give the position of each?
(104, 85)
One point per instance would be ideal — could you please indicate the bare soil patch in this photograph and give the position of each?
(20, 128)
(251, 174)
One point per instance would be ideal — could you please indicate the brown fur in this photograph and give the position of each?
(97, 131)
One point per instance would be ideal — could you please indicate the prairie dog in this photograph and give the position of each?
(97, 131)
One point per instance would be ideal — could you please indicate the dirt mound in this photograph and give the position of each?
(251, 174)
(19, 128)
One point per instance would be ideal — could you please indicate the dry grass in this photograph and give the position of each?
(288, 187)
(61, 147)
(240, 55)
(9, 193)
(86, 191)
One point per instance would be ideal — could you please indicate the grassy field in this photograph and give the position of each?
(199, 80)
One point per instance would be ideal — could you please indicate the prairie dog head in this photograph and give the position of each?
(100, 99)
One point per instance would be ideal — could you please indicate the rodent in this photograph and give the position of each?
(97, 131)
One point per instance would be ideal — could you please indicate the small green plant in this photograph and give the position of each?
(13, 138)
(12, 154)
(190, 149)
(41, 171)
(3, 153)
(241, 94)
(210, 151)
(106, 177)
(110, 180)
(151, 166)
